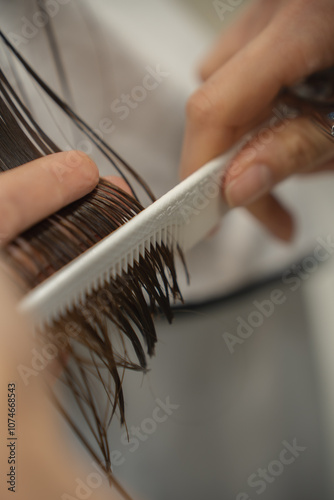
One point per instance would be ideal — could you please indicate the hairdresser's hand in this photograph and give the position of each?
(275, 43)
(45, 465)
(34, 191)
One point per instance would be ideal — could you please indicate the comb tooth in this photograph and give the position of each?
(131, 258)
(99, 280)
(117, 270)
(70, 307)
(164, 235)
(111, 274)
(79, 299)
(96, 284)
(84, 294)
(172, 235)
(141, 249)
(176, 233)
(124, 264)
(158, 237)
(106, 276)
(179, 237)
(153, 241)
(113, 271)
(135, 255)
(89, 288)
(169, 238)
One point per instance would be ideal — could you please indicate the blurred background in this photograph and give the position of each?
(246, 369)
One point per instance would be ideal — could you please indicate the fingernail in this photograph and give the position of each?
(249, 186)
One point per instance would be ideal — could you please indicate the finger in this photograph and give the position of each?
(273, 216)
(118, 181)
(38, 189)
(248, 24)
(233, 96)
(296, 147)
(328, 166)
(48, 464)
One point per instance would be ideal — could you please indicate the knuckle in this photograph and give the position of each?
(303, 150)
(298, 151)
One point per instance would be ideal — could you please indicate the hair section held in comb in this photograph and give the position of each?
(112, 329)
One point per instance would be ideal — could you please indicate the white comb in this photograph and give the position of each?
(182, 217)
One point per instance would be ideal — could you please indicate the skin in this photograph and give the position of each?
(47, 467)
(273, 43)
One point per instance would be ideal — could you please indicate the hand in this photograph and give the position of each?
(40, 188)
(45, 466)
(274, 44)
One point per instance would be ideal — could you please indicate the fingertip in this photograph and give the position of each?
(74, 170)
(87, 170)
(69, 175)
(77, 174)
(119, 182)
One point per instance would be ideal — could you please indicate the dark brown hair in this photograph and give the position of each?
(128, 302)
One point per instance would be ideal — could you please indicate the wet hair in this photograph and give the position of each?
(96, 352)
(314, 97)
(113, 328)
